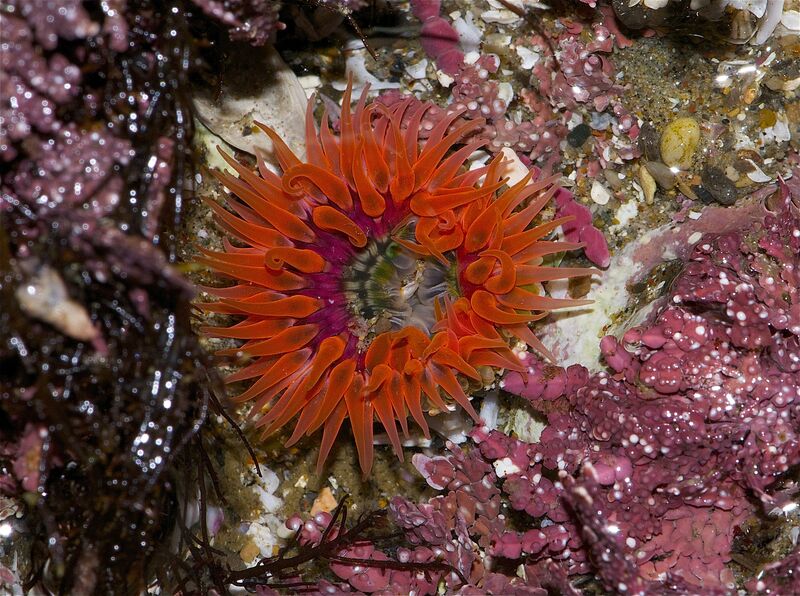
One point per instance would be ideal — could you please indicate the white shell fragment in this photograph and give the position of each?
(791, 20)
(514, 168)
(528, 58)
(771, 19)
(599, 193)
(757, 174)
(356, 57)
(44, 296)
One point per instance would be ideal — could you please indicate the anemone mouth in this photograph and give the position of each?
(371, 276)
(388, 288)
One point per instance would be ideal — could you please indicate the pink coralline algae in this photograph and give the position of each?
(476, 92)
(583, 75)
(580, 78)
(364, 568)
(643, 475)
(581, 229)
(253, 21)
(781, 577)
(438, 37)
(699, 416)
(57, 169)
(32, 86)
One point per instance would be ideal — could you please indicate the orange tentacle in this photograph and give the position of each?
(447, 380)
(519, 242)
(285, 156)
(496, 360)
(328, 352)
(339, 381)
(522, 299)
(318, 183)
(286, 341)
(481, 231)
(383, 408)
(448, 357)
(283, 368)
(249, 232)
(543, 248)
(248, 329)
(431, 390)
(524, 333)
(372, 202)
(444, 173)
(281, 281)
(328, 218)
(361, 413)
(330, 144)
(467, 345)
(332, 426)
(479, 271)
(314, 150)
(293, 306)
(485, 305)
(307, 414)
(505, 282)
(412, 393)
(397, 399)
(527, 274)
(411, 135)
(303, 260)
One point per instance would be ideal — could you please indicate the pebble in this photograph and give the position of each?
(613, 179)
(663, 176)
(578, 135)
(719, 186)
(249, 551)
(702, 193)
(679, 141)
(648, 183)
(649, 142)
(767, 118)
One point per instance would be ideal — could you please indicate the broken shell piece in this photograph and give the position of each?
(600, 193)
(325, 501)
(44, 296)
(766, 25)
(648, 184)
(757, 174)
(275, 97)
(514, 168)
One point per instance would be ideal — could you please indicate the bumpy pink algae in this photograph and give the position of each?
(644, 474)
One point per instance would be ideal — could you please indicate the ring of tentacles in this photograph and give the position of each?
(376, 276)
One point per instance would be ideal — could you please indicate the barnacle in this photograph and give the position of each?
(376, 271)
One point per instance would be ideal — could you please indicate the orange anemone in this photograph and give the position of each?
(377, 273)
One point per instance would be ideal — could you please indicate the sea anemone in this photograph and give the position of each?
(377, 275)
